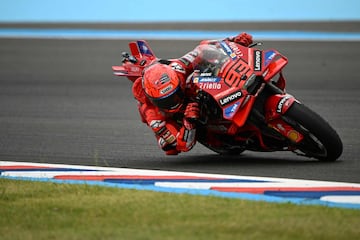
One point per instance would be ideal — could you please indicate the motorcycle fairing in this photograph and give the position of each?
(222, 73)
(238, 69)
(271, 127)
(144, 56)
(264, 64)
(242, 114)
(286, 130)
(275, 107)
(141, 49)
(234, 74)
(273, 64)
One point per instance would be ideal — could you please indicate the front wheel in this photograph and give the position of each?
(320, 140)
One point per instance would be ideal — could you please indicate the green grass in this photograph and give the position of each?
(40, 210)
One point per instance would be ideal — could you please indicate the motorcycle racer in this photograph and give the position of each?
(166, 98)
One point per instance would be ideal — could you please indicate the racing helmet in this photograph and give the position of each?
(163, 87)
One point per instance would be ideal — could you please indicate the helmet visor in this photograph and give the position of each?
(170, 102)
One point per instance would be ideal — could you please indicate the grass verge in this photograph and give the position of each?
(40, 210)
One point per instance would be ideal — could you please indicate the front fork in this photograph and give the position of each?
(275, 107)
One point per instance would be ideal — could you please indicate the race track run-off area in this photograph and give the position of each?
(278, 190)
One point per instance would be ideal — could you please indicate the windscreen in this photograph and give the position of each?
(212, 59)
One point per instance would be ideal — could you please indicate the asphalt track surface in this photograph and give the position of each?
(60, 103)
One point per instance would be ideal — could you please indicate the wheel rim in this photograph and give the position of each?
(310, 145)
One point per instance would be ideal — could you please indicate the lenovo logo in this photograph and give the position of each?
(230, 98)
(258, 60)
(281, 103)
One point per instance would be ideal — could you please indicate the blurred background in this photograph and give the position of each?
(175, 11)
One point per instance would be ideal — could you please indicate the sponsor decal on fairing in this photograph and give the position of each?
(228, 50)
(211, 85)
(281, 103)
(209, 79)
(230, 98)
(230, 111)
(257, 60)
(235, 48)
(269, 55)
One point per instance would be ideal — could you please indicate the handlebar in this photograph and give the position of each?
(255, 44)
(128, 57)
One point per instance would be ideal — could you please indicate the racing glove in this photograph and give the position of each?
(186, 138)
(244, 39)
(192, 112)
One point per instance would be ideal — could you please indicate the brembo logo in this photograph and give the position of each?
(257, 62)
(230, 98)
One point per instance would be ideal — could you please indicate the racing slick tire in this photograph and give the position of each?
(320, 141)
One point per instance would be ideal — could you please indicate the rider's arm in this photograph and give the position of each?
(244, 39)
(170, 137)
(189, 60)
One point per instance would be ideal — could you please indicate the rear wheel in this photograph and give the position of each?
(320, 140)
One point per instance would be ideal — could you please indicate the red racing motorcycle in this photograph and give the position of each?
(243, 102)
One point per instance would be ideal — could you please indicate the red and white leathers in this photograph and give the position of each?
(174, 135)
